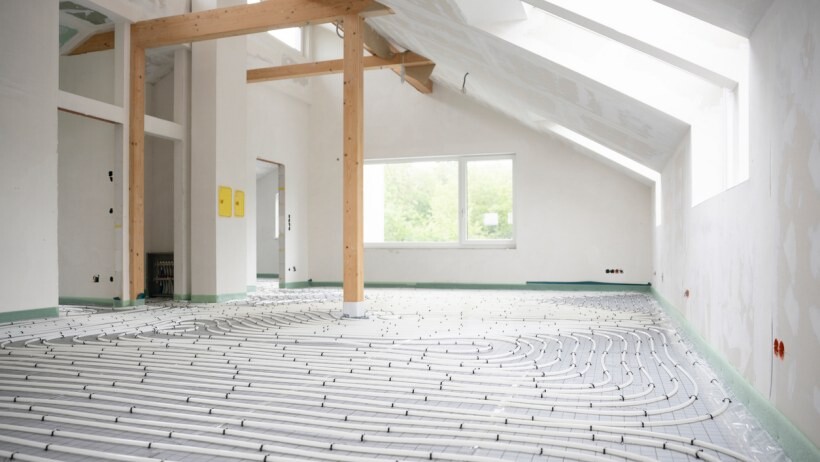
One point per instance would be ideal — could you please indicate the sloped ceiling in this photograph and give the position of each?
(527, 87)
(530, 88)
(738, 16)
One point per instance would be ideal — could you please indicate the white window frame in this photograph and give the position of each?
(463, 241)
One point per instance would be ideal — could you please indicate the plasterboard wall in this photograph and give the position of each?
(86, 192)
(267, 245)
(218, 158)
(28, 178)
(159, 171)
(751, 256)
(86, 202)
(576, 217)
(279, 130)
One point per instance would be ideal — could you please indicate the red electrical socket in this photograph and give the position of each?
(779, 349)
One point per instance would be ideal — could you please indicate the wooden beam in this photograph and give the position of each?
(296, 71)
(247, 19)
(97, 42)
(136, 174)
(353, 122)
(379, 46)
(419, 77)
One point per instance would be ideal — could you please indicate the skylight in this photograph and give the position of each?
(680, 65)
(662, 27)
(620, 67)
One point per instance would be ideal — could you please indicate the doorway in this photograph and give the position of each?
(270, 222)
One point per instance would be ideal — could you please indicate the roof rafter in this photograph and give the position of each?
(98, 42)
(417, 75)
(247, 19)
(335, 66)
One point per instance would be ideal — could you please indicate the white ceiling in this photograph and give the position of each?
(526, 86)
(523, 85)
(738, 16)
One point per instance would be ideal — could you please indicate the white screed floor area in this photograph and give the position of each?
(430, 375)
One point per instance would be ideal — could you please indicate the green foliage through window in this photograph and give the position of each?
(419, 201)
(489, 199)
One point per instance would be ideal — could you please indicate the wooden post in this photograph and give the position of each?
(136, 176)
(353, 166)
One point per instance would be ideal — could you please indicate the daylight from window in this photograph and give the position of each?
(291, 36)
(420, 201)
(489, 199)
(682, 66)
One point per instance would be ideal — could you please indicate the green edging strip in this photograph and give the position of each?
(129, 303)
(109, 302)
(217, 298)
(105, 302)
(795, 443)
(24, 315)
(267, 276)
(182, 297)
(326, 284)
(563, 286)
(296, 285)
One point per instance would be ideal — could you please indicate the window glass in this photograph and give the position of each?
(453, 201)
(489, 199)
(411, 202)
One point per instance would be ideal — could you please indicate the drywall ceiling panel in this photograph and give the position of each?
(526, 86)
(738, 16)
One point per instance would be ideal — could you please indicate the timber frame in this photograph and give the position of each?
(243, 20)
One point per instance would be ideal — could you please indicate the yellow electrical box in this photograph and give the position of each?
(239, 203)
(225, 201)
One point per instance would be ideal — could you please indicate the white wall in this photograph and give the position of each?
(159, 196)
(28, 149)
(90, 75)
(279, 130)
(87, 149)
(267, 245)
(218, 158)
(86, 200)
(751, 256)
(575, 216)
(159, 171)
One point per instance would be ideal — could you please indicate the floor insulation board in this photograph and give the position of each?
(429, 375)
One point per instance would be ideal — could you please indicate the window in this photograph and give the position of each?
(291, 36)
(448, 202)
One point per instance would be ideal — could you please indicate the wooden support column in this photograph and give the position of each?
(353, 166)
(136, 174)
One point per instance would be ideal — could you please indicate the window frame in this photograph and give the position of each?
(463, 241)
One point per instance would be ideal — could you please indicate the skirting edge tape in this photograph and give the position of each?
(562, 286)
(297, 285)
(794, 442)
(23, 315)
(219, 298)
(106, 302)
